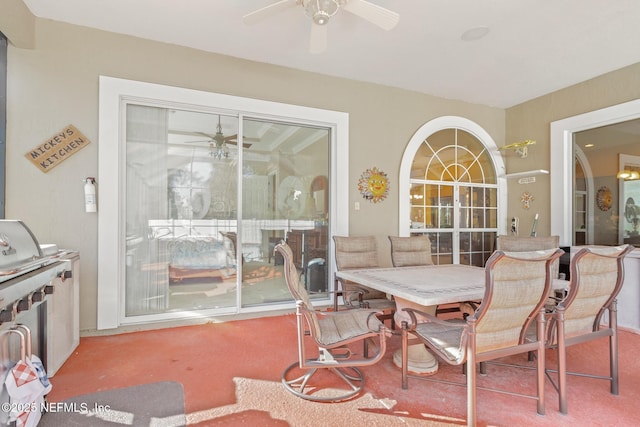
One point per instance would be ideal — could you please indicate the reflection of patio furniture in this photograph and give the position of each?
(232, 237)
(199, 257)
(309, 249)
(277, 258)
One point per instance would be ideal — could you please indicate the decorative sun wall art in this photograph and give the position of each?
(373, 185)
(604, 198)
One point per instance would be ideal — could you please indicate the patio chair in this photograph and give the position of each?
(335, 334)
(530, 243)
(416, 250)
(596, 279)
(410, 251)
(517, 286)
(355, 252)
(533, 243)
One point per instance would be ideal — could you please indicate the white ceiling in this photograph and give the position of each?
(532, 48)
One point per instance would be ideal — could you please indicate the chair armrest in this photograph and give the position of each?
(428, 318)
(372, 315)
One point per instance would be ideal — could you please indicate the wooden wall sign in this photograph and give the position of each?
(57, 148)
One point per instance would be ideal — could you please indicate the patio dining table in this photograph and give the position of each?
(423, 288)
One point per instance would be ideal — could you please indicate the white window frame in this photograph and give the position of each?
(428, 129)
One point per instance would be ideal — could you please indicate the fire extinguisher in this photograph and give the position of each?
(90, 203)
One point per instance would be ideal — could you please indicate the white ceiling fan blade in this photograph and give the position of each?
(265, 12)
(383, 18)
(318, 38)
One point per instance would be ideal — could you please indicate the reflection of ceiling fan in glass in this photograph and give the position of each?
(218, 148)
(291, 197)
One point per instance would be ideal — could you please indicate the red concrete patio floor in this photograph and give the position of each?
(231, 373)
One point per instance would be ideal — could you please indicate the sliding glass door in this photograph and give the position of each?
(190, 240)
(193, 244)
(196, 188)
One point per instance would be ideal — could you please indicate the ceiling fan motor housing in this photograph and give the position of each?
(321, 10)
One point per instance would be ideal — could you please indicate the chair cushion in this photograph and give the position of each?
(336, 327)
(530, 243)
(407, 251)
(356, 252)
(526, 243)
(447, 338)
(597, 275)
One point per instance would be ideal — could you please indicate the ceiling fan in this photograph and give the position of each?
(321, 11)
(218, 143)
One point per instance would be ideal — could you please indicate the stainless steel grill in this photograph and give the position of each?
(26, 269)
(35, 295)
(29, 272)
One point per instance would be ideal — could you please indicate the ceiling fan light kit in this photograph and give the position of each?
(219, 152)
(321, 11)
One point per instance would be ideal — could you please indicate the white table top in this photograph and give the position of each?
(427, 285)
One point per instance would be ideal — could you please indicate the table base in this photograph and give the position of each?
(421, 361)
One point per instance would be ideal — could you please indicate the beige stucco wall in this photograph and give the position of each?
(17, 23)
(56, 84)
(532, 120)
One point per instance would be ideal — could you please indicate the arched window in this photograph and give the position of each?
(452, 187)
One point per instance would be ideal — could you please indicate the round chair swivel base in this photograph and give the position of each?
(300, 386)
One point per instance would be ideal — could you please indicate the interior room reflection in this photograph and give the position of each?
(607, 185)
(208, 197)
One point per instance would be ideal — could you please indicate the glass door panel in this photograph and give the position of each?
(285, 196)
(181, 191)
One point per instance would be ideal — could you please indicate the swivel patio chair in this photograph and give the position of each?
(596, 279)
(336, 334)
(517, 286)
(356, 252)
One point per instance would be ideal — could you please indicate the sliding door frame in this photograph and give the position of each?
(114, 94)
